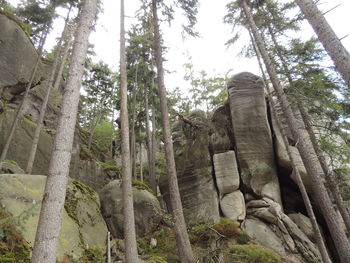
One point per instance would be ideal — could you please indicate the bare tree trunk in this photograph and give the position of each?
(182, 239)
(329, 174)
(319, 239)
(128, 205)
(108, 247)
(133, 122)
(39, 125)
(149, 141)
(311, 165)
(154, 148)
(331, 43)
(25, 97)
(141, 164)
(50, 219)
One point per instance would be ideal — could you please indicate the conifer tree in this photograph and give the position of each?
(49, 225)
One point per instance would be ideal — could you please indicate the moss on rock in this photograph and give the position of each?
(253, 254)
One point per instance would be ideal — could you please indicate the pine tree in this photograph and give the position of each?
(331, 43)
(128, 206)
(50, 219)
(311, 165)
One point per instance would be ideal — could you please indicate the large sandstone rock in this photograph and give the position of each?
(221, 136)
(22, 142)
(304, 224)
(194, 171)
(252, 134)
(226, 172)
(260, 231)
(82, 223)
(146, 207)
(233, 206)
(17, 58)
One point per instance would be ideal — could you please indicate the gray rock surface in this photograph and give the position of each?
(194, 171)
(260, 231)
(233, 206)
(146, 206)
(304, 224)
(17, 58)
(8, 167)
(82, 224)
(226, 172)
(252, 135)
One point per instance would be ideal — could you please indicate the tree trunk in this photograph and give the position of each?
(50, 219)
(331, 43)
(133, 139)
(149, 141)
(154, 148)
(128, 205)
(182, 239)
(311, 165)
(25, 97)
(94, 125)
(39, 125)
(141, 164)
(319, 239)
(329, 174)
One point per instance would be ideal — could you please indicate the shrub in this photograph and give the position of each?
(242, 238)
(253, 254)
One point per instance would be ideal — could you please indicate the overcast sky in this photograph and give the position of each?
(208, 52)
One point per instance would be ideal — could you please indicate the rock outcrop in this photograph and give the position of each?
(148, 214)
(82, 224)
(194, 170)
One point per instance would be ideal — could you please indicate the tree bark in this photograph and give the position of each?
(319, 239)
(39, 125)
(149, 141)
(331, 43)
(25, 97)
(128, 205)
(133, 137)
(141, 164)
(311, 165)
(182, 239)
(50, 219)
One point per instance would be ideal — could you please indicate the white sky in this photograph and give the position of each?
(208, 52)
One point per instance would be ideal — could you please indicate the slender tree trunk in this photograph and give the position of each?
(128, 205)
(154, 148)
(133, 122)
(319, 239)
(329, 174)
(331, 43)
(39, 125)
(311, 165)
(149, 144)
(182, 239)
(94, 125)
(50, 219)
(25, 97)
(109, 247)
(141, 164)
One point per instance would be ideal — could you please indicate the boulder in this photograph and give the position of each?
(17, 58)
(304, 224)
(194, 170)
(233, 206)
(10, 167)
(82, 224)
(226, 172)
(260, 231)
(252, 134)
(147, 209)
(221, 136)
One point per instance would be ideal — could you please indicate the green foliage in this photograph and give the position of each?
(11, 162)
(13, 247)
(92, 255)
(253, 254)
(86, 154)
(227, 227)
(103, 135)
(141, 186)
(242, 238)
(156, 259)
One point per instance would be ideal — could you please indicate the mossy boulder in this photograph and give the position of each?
(17, 57)
(82, 223)
(147, 209)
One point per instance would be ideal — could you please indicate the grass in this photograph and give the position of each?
(253, 254)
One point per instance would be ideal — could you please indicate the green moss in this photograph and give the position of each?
(28, 119)
(92, 255)
(141, 186)
(108, 167)
(156, 259)
(11, 162)
(227, 227)
(86, 154)
(253, 254)
(13, 247)
(243, 238)
(25, 27)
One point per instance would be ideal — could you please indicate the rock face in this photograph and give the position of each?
(147, 209)
(82, 223)
(17, 58)
(226, 172)
(233, 206)
(194, 170)
(253, 135)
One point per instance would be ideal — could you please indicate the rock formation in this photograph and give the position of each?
(237, 158)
